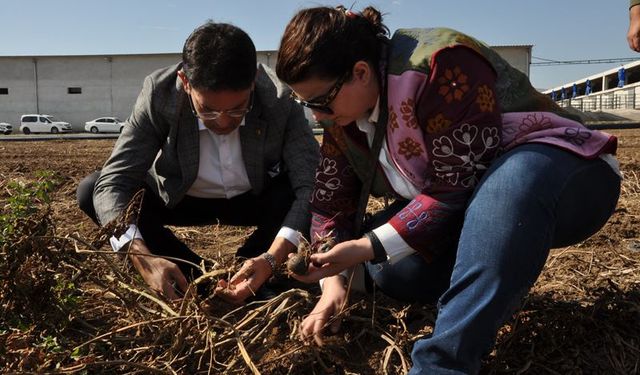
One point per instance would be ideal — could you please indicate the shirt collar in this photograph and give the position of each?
(375, 113)
(202, 127)
(366, 124)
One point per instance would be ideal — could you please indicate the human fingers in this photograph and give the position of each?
(314, 274)
(311, 327)
(169, 290)
(318, 336)
(236, 295)
(244, 272)
(335, 324)
(180, 281)
(636, 43)
(318, 259)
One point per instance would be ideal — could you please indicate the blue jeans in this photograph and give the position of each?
(533, 198)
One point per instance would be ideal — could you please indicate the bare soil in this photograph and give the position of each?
(581, 317)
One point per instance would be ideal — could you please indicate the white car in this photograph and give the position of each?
(104, 125)
(5, 128)
(42, 124)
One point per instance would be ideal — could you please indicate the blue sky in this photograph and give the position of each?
(558, 29)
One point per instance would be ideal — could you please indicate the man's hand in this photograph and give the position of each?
(633, 35)
(332, 301)
(162, 275)
(253, 273)
(341, 257)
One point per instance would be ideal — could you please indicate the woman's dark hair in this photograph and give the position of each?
(326, 42)
(219, 56)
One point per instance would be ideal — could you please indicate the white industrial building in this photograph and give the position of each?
(616, 88)
(80, 88)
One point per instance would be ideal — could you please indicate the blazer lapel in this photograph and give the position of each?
(188, 141)
(252, 136)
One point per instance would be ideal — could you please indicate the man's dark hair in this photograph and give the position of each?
(219, 56)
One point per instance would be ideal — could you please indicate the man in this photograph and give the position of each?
(215, 138)
(633, 35)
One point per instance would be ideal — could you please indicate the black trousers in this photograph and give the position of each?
(265, 211)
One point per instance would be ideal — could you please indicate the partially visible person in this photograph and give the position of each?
(213, 139)
(633, 35)
(486, 173)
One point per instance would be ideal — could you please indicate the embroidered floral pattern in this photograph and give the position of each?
(528, 124)
(466, 134)
(393, 119)
(410, 148)
(438, 124)
(535, 121)
(453, 85)
(442, 147)
(462, 156)
(327, 182)
(485, 100)
(406, 108)
(490, 137)
(576, 136)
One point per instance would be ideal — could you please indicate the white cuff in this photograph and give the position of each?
(290, 235)
(346, 274)
(393, 243)
(130, 234)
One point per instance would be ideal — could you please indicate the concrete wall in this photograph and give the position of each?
(518, 56)
(109, 84)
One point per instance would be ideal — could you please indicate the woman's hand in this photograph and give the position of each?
(333, 299)
(253, 273)
(341, 257)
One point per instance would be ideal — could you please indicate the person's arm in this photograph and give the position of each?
(430, 222)
(633, 35)
(255, 272)
(162, 275)
(300, 157)
(333, 299)
(336, 191)
(123, 175)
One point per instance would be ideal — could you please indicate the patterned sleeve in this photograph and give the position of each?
(334, 197)
(460, 121)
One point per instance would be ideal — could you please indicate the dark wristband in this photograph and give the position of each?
(379, 253)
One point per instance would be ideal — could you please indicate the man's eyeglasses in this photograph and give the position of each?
(321, 103)
(214, 115)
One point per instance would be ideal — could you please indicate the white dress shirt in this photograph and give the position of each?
(221, 174)
(394, 245)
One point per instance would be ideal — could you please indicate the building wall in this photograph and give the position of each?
(109, 84)
(518, 56)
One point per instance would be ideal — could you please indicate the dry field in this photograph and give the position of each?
(68, 305)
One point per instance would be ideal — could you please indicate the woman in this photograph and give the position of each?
(487, 175)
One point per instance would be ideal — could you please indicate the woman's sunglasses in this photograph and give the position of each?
(321, 103)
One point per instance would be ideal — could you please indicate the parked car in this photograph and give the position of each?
(5, 128)
(104, 125)
(42, 124)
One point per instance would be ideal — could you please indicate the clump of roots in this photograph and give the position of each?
(298, 263)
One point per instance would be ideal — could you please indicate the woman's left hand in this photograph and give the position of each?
(341, 257)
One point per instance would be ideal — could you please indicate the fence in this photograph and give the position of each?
(622, 98)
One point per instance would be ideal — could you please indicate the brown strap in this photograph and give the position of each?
(376, 146)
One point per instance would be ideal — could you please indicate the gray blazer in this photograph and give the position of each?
(160, 144)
